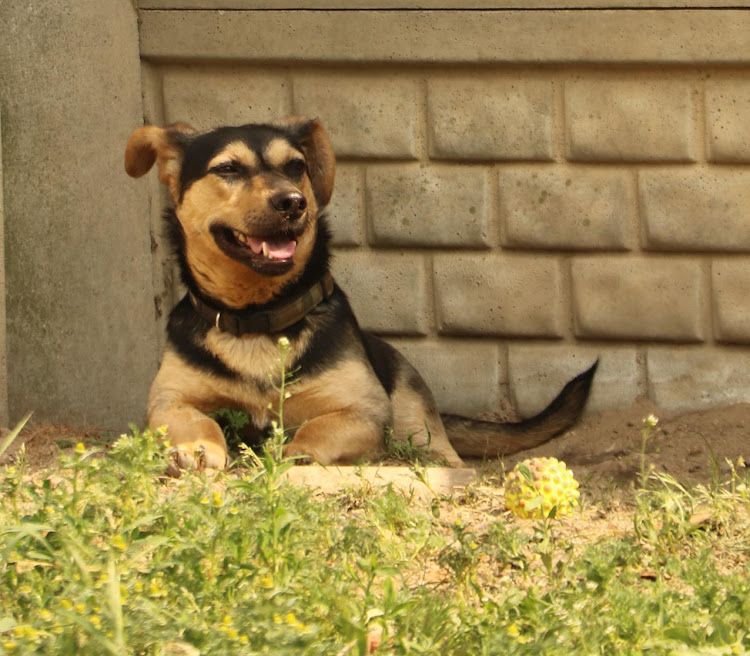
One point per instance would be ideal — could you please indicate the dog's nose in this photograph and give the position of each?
(289, 203)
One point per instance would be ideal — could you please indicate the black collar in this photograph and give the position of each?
(266, 321)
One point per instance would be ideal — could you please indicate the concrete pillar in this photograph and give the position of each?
(81, 340)
(3, 358)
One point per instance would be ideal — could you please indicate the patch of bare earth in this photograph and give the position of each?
(42, 443)
(604, 450)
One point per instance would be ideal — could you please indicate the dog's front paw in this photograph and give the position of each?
(198, 455)
(301, 454)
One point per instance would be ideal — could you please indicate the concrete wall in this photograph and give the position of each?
(81, 334)
(519, 191)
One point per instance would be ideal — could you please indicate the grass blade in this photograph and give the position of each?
(11, 437)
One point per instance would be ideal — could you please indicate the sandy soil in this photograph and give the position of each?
(604, 450)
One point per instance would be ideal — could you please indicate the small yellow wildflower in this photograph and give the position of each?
(80, 607)
(651, 421)
(45, 615)
(267, 581)
(119, 543)
(25, 631)
(217, 499)
(80, 448)
(156, 588)
(67, 604)
(291, 620)
(204, 500)
(10, 645)
(244, 639)
(96, 621)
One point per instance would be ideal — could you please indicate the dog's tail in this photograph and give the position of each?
(479, 439)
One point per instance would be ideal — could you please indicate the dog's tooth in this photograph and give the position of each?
(265, 249)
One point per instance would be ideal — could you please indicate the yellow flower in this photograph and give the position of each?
(291, 620)
(96, 621)
(204, 501)
(45, 615)
(651, 421)
(67, 604)
(513, 631)
(10, 645)
(25, 631)
(80, 448)
(119, 543)
(267, 581)
(217, 499)
(80, 607)
(156, 588)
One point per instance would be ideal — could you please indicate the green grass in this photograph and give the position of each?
(101, 555)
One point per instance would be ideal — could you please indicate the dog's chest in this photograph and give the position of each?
(257, 359)
(254, 357)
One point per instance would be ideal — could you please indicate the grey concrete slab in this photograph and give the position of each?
(439, 4)
(80, 306)
(429, 482)
(587, 36)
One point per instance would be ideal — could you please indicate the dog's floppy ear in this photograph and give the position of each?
(321, 162)
(164, 146)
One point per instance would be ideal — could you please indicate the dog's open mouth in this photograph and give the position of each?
(269, 254)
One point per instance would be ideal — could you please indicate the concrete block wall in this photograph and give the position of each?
(518, 192)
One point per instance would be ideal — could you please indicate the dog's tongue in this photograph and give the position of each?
(275, 250)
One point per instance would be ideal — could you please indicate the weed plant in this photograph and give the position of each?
(103, 555)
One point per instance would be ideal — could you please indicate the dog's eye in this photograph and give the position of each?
(294, 168)
(227, 169)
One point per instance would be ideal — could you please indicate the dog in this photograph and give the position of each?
(252, 241)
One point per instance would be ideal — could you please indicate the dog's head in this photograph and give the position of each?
(247, 199)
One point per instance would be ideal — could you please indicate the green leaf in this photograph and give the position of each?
(6, 624)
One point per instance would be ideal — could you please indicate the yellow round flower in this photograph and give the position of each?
(538, 486)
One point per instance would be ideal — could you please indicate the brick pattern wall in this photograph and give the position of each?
(505, 225)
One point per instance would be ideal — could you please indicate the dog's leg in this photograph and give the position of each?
(342, 436)
(415, 418)
(197, 439)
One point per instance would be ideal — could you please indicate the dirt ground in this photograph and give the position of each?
(603, 450)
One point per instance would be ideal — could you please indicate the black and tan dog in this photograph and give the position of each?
(254, 252)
